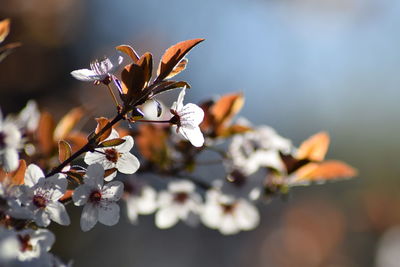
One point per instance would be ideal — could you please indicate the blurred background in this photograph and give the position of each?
(303, 65)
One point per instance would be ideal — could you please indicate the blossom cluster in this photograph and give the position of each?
(40, 174)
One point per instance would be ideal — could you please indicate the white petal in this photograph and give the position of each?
(85, 75)
(109, 214)
(95, 175)
(89, 217)
(147, 203)
(228, 225)
(41, 218)
(111, 176)
(94, 157)
(56, 185)
(81, 194)
(191, 114)
(57, 213)
(10, 160)
(194, 135)
(32, 175)
(181, 186)
(44, 238)
(166, 217)
(247, 216)
(181, 96)
(128, 163)
(112, 191)
(131, 210)
(211, 215)
(164, 199)
(126, 146)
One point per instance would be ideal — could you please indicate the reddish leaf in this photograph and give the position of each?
(64, 151)
(45, 133)
(129, 51)
(146, 63)
(178, 68)
(169, 85)
(173, 56)
(112, 142)
(4, 29)
(67, 123)
(67, 195)
(101, 123)
(314, 148)
(109, 172)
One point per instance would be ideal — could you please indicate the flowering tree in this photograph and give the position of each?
(41, 171)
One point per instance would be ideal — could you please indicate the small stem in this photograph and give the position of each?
(112, 94)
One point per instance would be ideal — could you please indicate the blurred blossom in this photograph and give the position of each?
(10, 142)
(388, 248)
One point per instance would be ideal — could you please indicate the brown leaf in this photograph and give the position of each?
(4, 29)
(129, 51)
(16, 177)
(324, 171)
(178, 68)
(45, 132)
(76, 175)
(146, 63)
(76, 140)
(67, 123)
(314, 148)
(64, 151)
(169, 85)
(133, 81)
(234, 129)
(112, 142)
(101, 123)
(227, 107)
(151, 141)
(67, 195)
(173, 56)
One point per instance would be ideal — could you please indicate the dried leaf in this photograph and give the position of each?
(129, 51)
(112, 142)
(314, 148)
(324, 171)
(101, 123)
(173, 56)
(45, 132)
(67, 123)
(64, 151)
(178, 68)
(4, 29)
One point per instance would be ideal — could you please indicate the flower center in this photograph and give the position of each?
(39, 201)
(25, 244)
(95, 196)
(237, 178)
(181, 197)
(228, 208)
(2, 140)
(112, 155)
(176, 119)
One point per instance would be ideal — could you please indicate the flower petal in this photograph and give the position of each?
(41, 218)
(166, 217)
(194, 135)
(81, 194)
(57, 213)
(126, 146)
(10, 159)
(191, 114)
(109, 214)
(32, 175)
(128, 163)
(95, 175)
(89, 217)
(85, 75)
(112, 191)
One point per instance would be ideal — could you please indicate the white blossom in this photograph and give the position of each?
(259, 148)
(179, 202)
(34, 243)
(99, 70)
(187, 119)
(10, 142)
(10, 202)
(100, 201)
(140, 198)
(117, 157)
(28, 118)
(41, 195)
(227, 214)
(9, 246)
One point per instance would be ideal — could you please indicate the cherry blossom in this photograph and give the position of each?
(258, 148)
(140, 198)
(227, 214)
(99, 200)
(179, 202)
(10, 142)
(33, 244)
(99, 70)
(117, 157)
(40, 195)
(187, 119)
